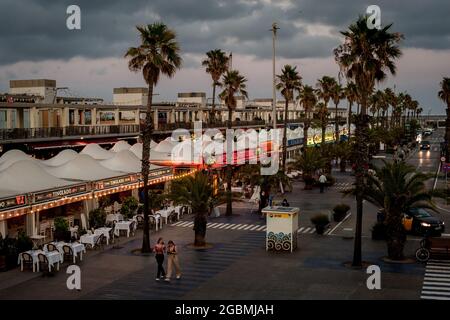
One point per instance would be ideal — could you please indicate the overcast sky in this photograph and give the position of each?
(35, 42)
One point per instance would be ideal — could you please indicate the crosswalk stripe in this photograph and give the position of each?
(434, 292)
(238, 227)
(312, 230)
(229, 226)
(439, 270)
(212, 225)
(184, 224)
(436, 275)
(306, 230)
(177, 223)
(434, 298)
(254, 228)
(261, 228)
(249, 226)
(300, 230)
(436, 288)
(223, 225)
(438, 279)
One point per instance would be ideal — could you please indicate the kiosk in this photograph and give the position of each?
(282, 226)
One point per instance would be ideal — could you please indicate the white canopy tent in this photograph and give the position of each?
(97, 152)
(120, 146)
(61, 158)
(125, 161)
(83, 167)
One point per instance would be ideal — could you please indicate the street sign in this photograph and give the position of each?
(442, 159)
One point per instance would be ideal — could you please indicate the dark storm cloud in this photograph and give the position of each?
(36, 30)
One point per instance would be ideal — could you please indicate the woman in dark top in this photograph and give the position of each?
(159, 250)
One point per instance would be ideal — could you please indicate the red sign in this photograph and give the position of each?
(446, 167)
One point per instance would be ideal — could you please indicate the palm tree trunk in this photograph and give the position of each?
(361, 151)
(200, 229)
(396, 236)
(324, 128)
(229, 210)
(349, 119)
(213, 107)
(305, 133)
(285, 134)
(336, 123)
(146, 139)
(447, 133)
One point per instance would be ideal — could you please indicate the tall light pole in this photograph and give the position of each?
(274, 93)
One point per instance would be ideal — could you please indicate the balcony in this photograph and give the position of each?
(71, 132)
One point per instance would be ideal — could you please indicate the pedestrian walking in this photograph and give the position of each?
(172, 261)
(322, 181)
(159, 250)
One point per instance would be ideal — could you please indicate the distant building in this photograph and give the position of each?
(130, 96)
(198, 98)
(43, 88)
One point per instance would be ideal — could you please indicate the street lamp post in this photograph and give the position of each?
(274, 97)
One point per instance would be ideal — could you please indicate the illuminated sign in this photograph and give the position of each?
(13, 202)
(59, 193)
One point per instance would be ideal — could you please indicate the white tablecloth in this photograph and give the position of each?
(123, 225)
(166, 212)
(89, 239)
(105, 231)
(77, 248)
(114, 217)
(53, 258)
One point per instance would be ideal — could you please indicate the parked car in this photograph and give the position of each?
(425, 145)
(420, 222)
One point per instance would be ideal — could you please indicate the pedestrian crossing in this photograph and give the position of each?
(436, 283)
(238, 226)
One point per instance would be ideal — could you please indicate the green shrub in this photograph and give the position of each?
(320, 219)
(129, 206)
(97, 218)
(61, 225)
(341, 208)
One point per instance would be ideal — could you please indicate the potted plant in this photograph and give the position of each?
(129, 207)
(62, 232)
(97, 218)
(320, 221)
(379, 231)
(340, 211)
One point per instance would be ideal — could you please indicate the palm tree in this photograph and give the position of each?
(337, 93)
(366, 56)
(391, 99)
(233, 83)
(308, 100)
(197, 192)
(397, 187)
(444, 95)
(309, 162)
(157, 54)
(324, 89)
(351, 95)
(216, 65)
(287, 82)
(322, 115)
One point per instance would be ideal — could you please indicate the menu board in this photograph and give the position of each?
(59, 193)
(13, 202)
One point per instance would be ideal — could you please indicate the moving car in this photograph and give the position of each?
(425, 145)
(420, 222)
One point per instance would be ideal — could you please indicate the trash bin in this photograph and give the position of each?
(282, 226)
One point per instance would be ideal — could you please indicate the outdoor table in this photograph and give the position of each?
(36, 240)
(282, 226)
(105, 231)
(114, 217)
(73, 231)
(157, 219)
(53, 258)
(89, 239)
(166, 212)
(122, 225)
(77, 248)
